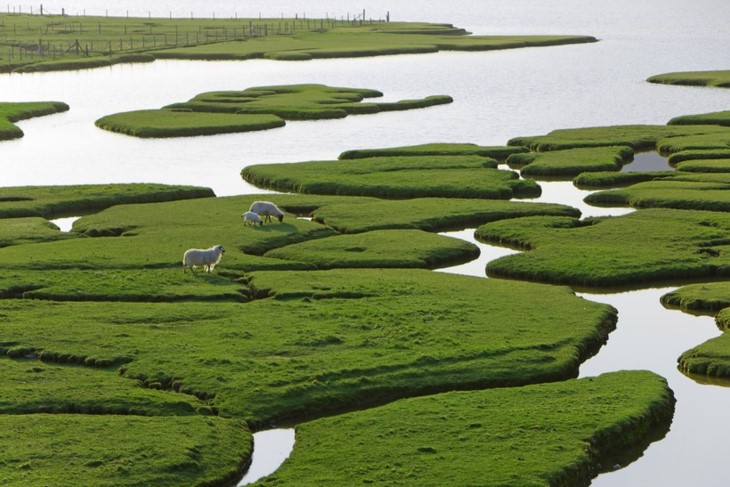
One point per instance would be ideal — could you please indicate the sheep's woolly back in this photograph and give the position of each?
(266, 208)
(204, 257)
(252, 218)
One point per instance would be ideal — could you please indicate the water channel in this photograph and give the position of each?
(498, 95)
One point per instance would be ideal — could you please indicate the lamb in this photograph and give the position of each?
(251, 218)
(267, 209)
(207, 258)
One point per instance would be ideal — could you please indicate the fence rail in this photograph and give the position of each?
(36, 33)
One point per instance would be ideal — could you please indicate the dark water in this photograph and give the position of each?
(647, 162)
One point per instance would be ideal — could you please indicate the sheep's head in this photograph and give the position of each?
(220, 249)
(281, 218)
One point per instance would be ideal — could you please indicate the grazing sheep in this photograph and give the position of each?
(207, 258)
(267, 209)
(251, 218)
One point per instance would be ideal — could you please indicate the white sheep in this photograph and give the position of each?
(251, 218)
(267, 209)
(207, 258)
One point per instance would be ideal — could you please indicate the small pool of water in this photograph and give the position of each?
(271, 448)
(648, 162)
(65, 224)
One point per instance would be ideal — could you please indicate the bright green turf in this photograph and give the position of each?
(395, 177)
(259, 108)
(16, 111)
(328, 340)
(713, 118)
(103, 41)
(719, 79)
(613, 179)
(571, 162)
(638, 137)
(638, 248)
(107, 450)
(707, 297)
(380, 249)
(705, 165)
(549, 434)
(353, 215)
(690, 191)
(496, 152)
(59, 201)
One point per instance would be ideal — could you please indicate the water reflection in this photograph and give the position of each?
(65, 224)
(271, 448)
(647, 162)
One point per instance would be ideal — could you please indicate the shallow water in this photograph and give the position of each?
(497, 95)
(271, 448)
(647, 162)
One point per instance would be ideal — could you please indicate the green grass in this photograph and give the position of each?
(31, 386)
(705, 165)
(571, 162)
(496, 152)
(381, 249)
(59, 201)
(324, 341)
(53, 42)
(688, 191)
(168, 123)
(639, 248)
(108, 450)
(259, 108)
(16, 231)
(713, 118)
(14, 112)
(638, 137)
(613, 179)
(707, 297)
(720, 79)
(689, 155)
(550, 434)
(395, 177)
(354, 215)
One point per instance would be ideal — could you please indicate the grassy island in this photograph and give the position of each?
(14, 112)
(720, 79)
(56, 42)
(550, 434)
(641, 247)
(259, 108)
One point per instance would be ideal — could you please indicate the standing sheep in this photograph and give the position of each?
(207, 258)
(251, 218)
(266, 209)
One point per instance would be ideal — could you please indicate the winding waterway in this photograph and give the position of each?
(498, 95)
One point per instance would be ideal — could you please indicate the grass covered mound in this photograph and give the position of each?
(496, 152)
(11, 112)
(33, 386)
(613, 179)
(59, 280)
(711, 358)
(691, 191)
(720, 79)
(571, 162)
(638, 137)
(395, 177)
(548, 434)
(54, 42)
(354, 215)
(713, 118)
(705, 165)
(381, 249)
(360, 41)
(326, 341)
(59, 201)
(698, 154)
(14, 231)
(707, 297)
(258, 108)
(77, 449)
(171, 123)
(641, 247)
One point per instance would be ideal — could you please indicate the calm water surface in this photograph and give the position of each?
(498, 95)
